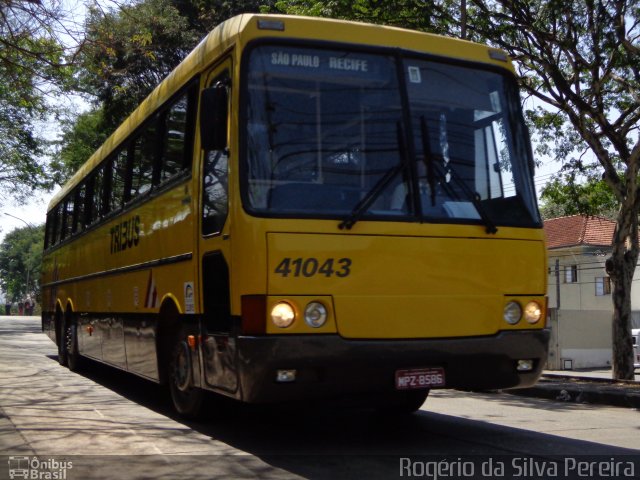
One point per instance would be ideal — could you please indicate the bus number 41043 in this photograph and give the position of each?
(309, 267)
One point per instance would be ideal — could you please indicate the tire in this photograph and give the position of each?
(62, 353)
(62, 341)
(405, 403)
(187, 399)
(74, 359)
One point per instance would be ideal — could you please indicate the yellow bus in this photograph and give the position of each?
(308, 209)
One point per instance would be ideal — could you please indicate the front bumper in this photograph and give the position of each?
(329, 366)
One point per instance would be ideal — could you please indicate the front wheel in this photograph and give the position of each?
(405, 403)
(187, 399)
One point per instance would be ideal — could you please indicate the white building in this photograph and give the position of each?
(580, 306)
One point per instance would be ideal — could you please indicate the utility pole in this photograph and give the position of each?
(557, 283)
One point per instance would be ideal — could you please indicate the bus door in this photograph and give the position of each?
(218, 346)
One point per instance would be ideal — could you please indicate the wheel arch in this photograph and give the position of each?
(70, 309)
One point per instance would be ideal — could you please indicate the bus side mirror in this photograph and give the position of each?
(214, 106)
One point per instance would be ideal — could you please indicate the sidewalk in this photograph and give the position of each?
(585, 386)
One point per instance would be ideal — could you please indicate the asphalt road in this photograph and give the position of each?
(112, 425)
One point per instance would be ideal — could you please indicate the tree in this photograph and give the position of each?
(566, 195)
(81, 137)
(20, 261)
(581, 59)
(32, 63)
(413, 14)
(128, 50)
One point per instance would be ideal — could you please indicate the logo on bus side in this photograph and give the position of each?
(125, 234)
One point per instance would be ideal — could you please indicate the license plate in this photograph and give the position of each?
(419, 378)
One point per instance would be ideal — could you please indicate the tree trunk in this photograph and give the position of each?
(621, 267)
(621, 333)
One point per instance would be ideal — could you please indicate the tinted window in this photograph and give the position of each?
(144, 154)
(173, 158)
(57, 222)
(215, 182)
(67, 221)
(322, 128)
(78, 214)
(118, 167)
(51, 228)
(325, 133)
(214, 192)
(96, 184)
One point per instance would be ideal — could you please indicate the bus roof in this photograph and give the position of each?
(240, 30)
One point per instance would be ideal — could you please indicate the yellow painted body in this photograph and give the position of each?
(166, 229)
(405, 280)
(412, 286)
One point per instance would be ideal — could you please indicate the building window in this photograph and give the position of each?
(603, 286)
(570, 274)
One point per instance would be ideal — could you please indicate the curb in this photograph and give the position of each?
(585, 390)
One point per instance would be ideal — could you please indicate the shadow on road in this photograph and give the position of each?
(283, 433)
(284, 441)
(51, 404)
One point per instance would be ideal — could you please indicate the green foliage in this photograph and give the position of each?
(580, 58)
(20, 261)
(565, 196)
(132, 48)
(81, 136)
(128, 51)
(413, 14)
(204, 15)
(31, 66)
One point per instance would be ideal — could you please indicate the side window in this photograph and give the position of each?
(118, 166)
(95, 188)
(175, 134)
(78, 212)
(177, 125)
(214, 192)
(215, 197)
(144, 155)
(50, 230)
(67, 219)
(57, 223)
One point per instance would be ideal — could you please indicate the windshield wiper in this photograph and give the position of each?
(363, 205)
(475, 199)
(432, 170)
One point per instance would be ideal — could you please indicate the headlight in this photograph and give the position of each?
(315, 314)
(282, 315)
(532, 312)
(512, 313)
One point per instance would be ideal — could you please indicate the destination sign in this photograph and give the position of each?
(322, 64)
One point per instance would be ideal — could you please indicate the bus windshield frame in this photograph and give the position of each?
(335, 132)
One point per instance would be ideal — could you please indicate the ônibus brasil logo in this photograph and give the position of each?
(36, 469)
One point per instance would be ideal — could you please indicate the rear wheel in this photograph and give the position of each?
(61, 329)
(74, 360)
(187, 399)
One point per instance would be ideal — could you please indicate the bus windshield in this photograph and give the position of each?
(345, 134)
